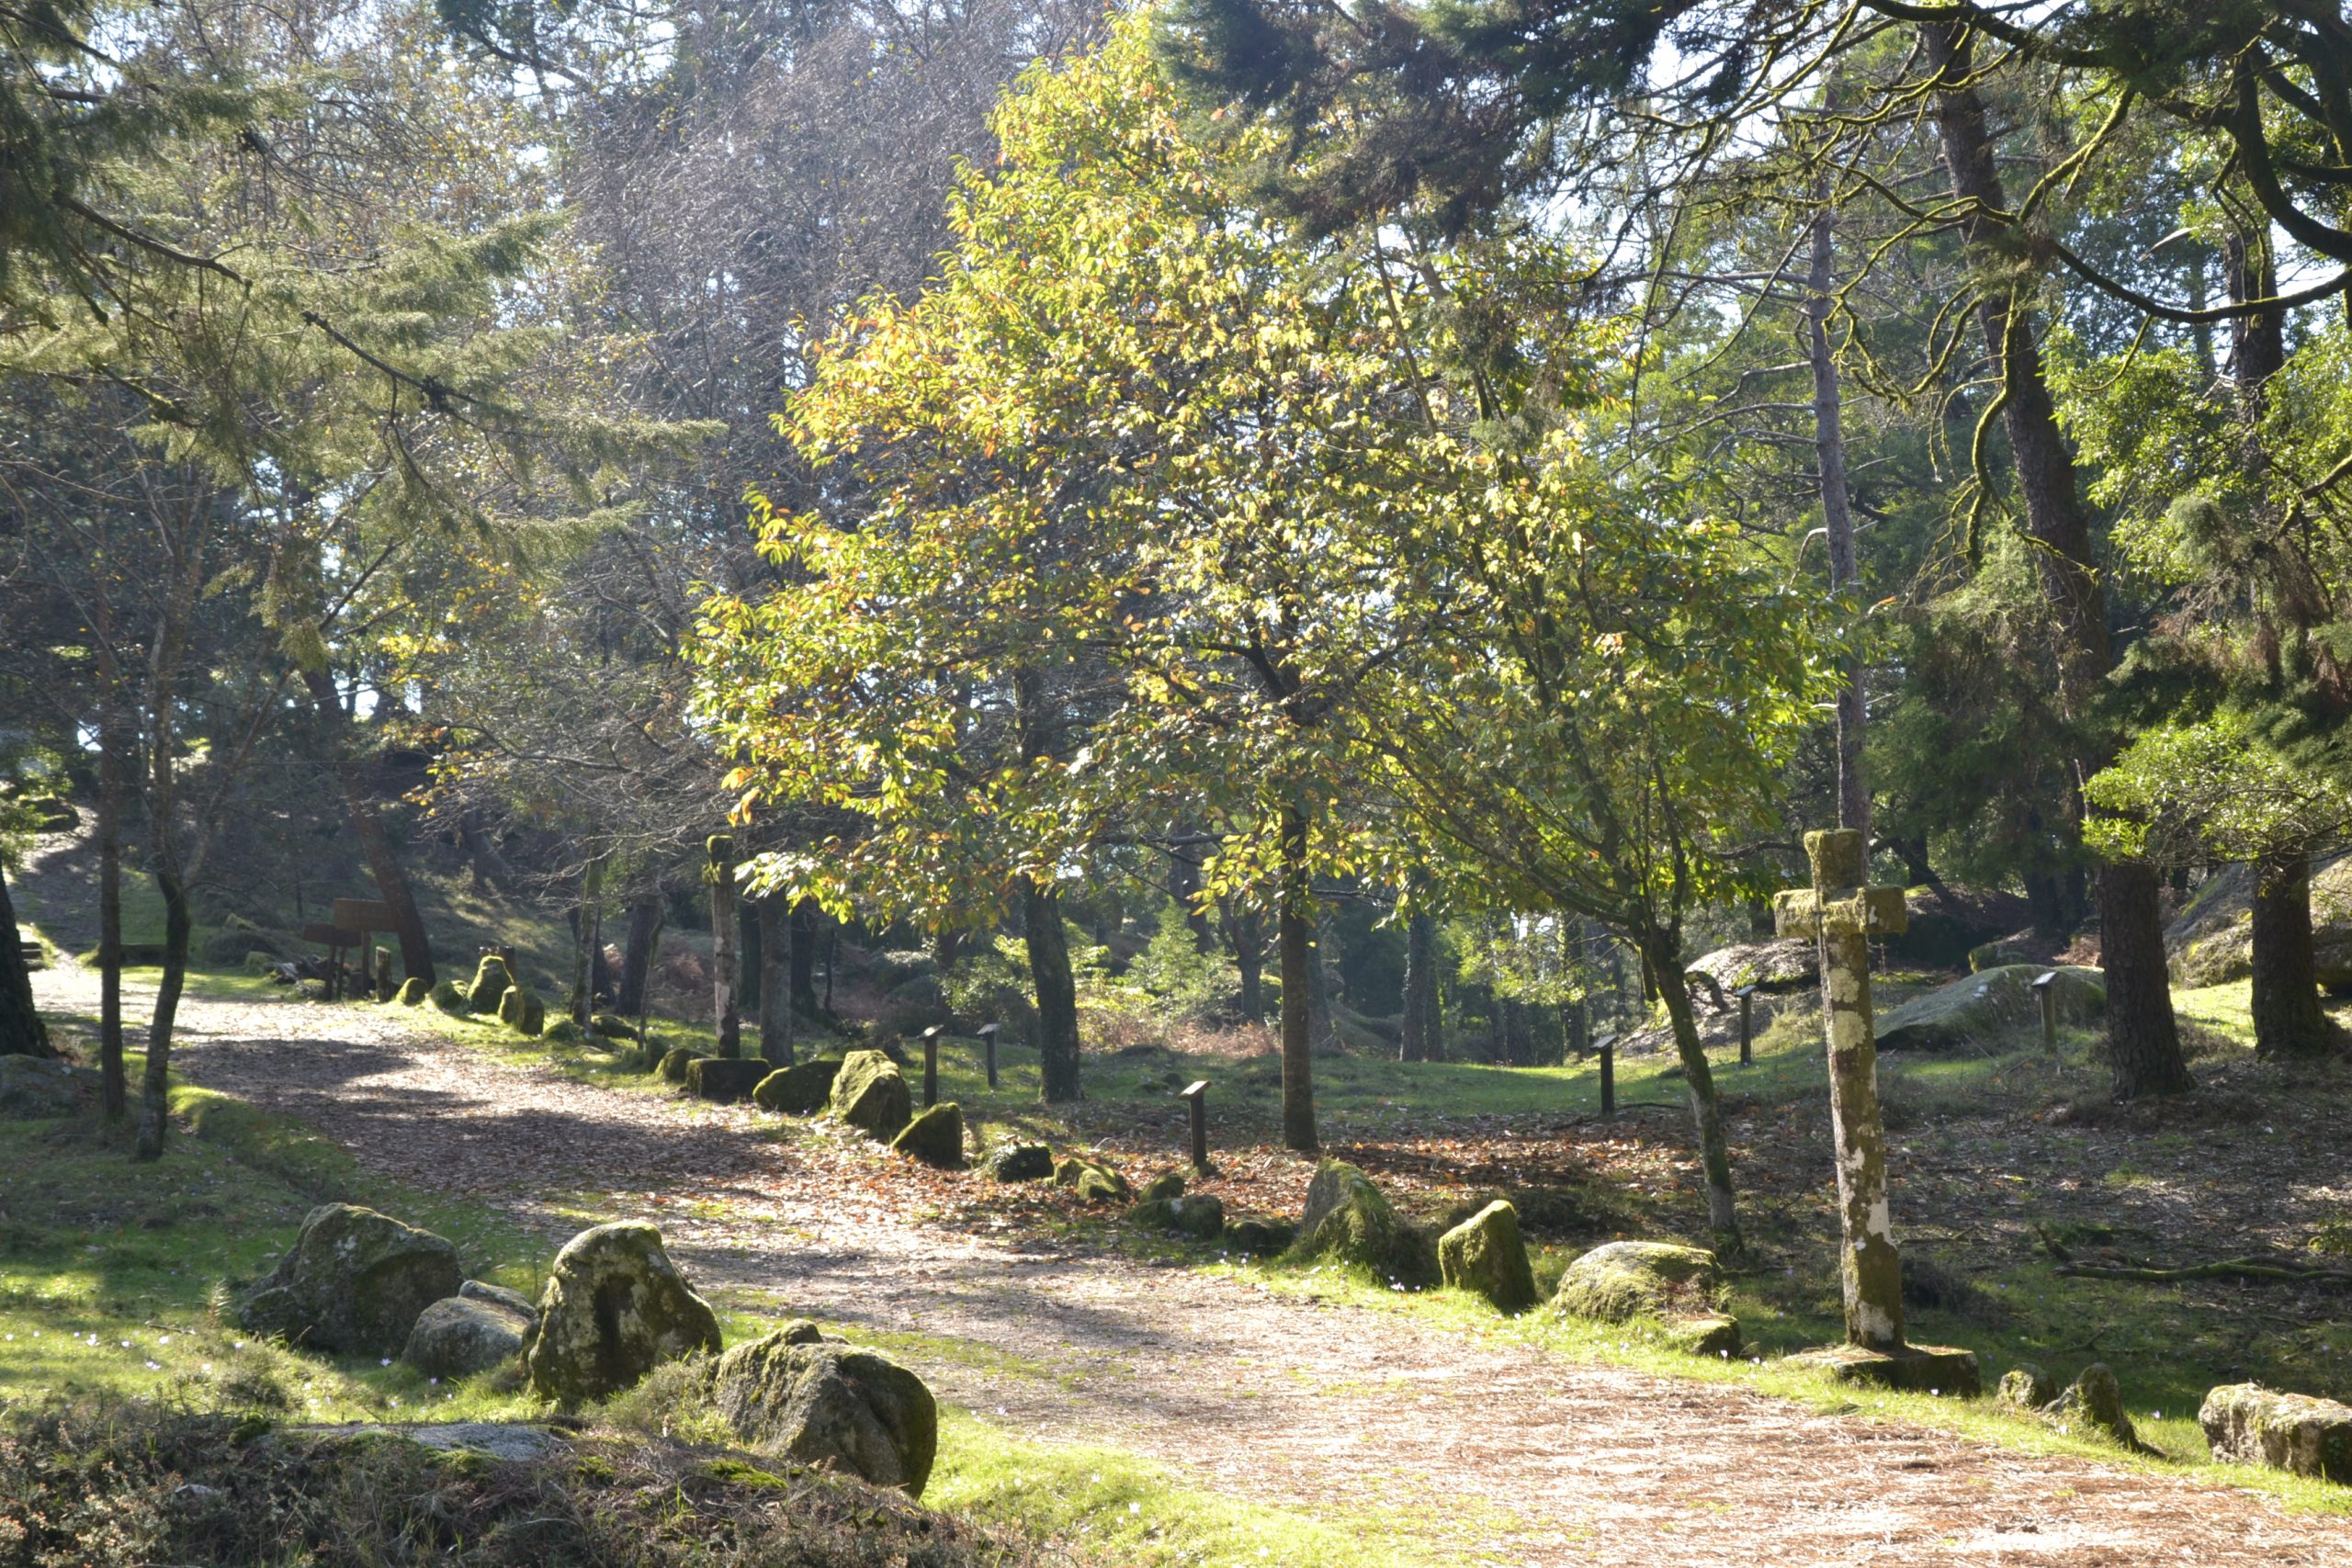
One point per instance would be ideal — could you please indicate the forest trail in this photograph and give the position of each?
(1475, 1451)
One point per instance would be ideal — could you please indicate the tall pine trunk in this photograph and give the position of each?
(775, 980)
(2143, 1039)
(1057, 987)
(368, 827)
(804, 957)
(1295, 940)
(2288, 1020)
(114, 1089)
(1837, 512)
(1419, 1035)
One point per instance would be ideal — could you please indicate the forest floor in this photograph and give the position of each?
(1442, 1437)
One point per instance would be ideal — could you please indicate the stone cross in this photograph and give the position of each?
(1841, 915)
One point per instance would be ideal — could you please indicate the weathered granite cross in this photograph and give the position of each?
(1841, 914)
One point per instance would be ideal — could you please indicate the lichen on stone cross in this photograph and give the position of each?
(1841, 914)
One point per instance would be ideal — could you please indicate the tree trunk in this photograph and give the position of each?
(2142, 1040)
(1184, 887)
(804, 957)
(22, 1033)
(637, 955)
(726, 1016)
(2144, 1049)
(154, 1089)
(114, 1089)
(1294, 938)
(587, 938)
(775, 980)
(368, 827)
(1246, 933)
(1321, 1033)
(2288, 1020)
(1837, 511)
(1661, 955)
(749, 962)
(1049, 972)
(1419, 1035)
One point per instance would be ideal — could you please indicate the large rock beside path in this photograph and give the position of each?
(800, 1089)
(724, 1079)
(830, 1406)
(1626, 1279)
(1485, 1255)
(615, 1308)
(354, 1281)
(870, 1094)
(935, 1137)
(1992, 1009)
(1349, 1219)
(2248, 1423)
(459, 1335)
(37, 1085)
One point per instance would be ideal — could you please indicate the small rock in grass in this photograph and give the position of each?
(450, 998)
(563, 1032)
(612, 1026)
(1485, 1255)
(499, 1296)
(1258, 1238)
(1094, 1182)
(1627, 1280)
(832, 1407)
(2026, 1387)
(412, 990)
(1022, 1162)
(935, 1136)
(676, 1060)
(520, 1010)
(1162, 1188)
(1714, 1334)
(1348, 1218)
(724, 1079)
(490, 983)
(2092, 1406)
(459, 1335)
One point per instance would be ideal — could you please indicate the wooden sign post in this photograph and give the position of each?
(987, 1045)
(931, 1066)
(1747, 995)
(1841, 915)
(1196, 1099)
(1607, 1046)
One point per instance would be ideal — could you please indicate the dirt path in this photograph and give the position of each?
(1478, 1451)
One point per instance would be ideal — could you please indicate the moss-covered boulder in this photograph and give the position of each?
(1349, 1219)
(1021, 1162)
(870, 1094)
(2026, 1387)
(354, 1281)
(615, 1308)
(1259, 1239)
(1711, 1334)
(1992, 1008)
(832, 1407)
(935, 1136)
(1485, 1255)
(563, 1032)
(1627, 1280)
(724, 1079)
(450, 998)
(413, 991)
(1093, 1182)
(801, 1089)
(2248, 1423)
(1163, 1187)
(1200, 1216)
(491, 981)
(612, 1026)
(520, 1010)
(2092, 1408)
(676, 1060)
(458, 1337)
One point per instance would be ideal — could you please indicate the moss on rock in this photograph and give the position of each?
(520, 1010)
(1163, 1187)
(1259, 1239)
(830, 1406)
(1022, 1162)
(801, 1089)
(869, 1094)
(2026, 1387)
(676, 1060)
(1714, 1334)
(2092, 1408)
(615, 1308)
(1094, 1182)
(490, 983)
(412, 990)
(724, 1079)
(612, 1026)
(1626, 1279)
(563, 1031)
(1349, 1219)
(1991, 1008)
(935, 1136)
(353, 1280)
(2248, 1423)
(450, 998)
(1484, 1256)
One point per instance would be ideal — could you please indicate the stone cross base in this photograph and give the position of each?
(1914, 1369)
